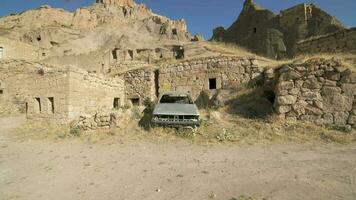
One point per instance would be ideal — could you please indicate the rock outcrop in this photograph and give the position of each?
(275, 36)
(90, 37)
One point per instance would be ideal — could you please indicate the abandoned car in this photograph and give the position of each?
(176, 109)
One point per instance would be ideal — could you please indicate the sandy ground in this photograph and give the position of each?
(71, 169)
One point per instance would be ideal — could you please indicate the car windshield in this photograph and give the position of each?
(181, 99)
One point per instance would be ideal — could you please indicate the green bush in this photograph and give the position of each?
(75, 131)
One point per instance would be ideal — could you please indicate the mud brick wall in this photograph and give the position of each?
(343, 41)
(319, 91)
(194, 75)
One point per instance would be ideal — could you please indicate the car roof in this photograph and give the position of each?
(176, 93)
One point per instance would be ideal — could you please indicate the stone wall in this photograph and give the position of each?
(203, 74)
(60, 94)
(342, 41)
(319, 91)
(140, 84)
(90, 93)
(35, 89)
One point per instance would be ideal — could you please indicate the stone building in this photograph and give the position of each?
(61, 94)
(208, 74)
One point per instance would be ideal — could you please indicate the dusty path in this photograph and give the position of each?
(45, 170)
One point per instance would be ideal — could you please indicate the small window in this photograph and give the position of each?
(212, 83)
(116, 103)
(174, 31)
(1, 91)
(39, 108)
(114, 54)
(43, 54)
(51, 104)
(39, 38)
(131, 54)
(1, 52)
(135, 101)
(254, 30)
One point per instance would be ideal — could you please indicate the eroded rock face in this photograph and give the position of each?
(93, 36)
(323, 93)
(276, 36)
(128, 3)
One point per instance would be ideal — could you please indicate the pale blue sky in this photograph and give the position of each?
(201, 15)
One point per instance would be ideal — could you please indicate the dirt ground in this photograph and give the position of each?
(73, 169)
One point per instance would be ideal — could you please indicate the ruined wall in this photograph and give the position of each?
(140, 84)
(90, 93)
(202, 74)
(295, 15)
(60, 94)
(342, 41)
(12, 49)
(319, 91)
(34, 89)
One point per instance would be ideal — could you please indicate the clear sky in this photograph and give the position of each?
(201, 15)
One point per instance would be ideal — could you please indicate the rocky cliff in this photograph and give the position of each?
(275, 36)
(94, 32)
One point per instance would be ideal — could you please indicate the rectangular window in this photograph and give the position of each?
(1, 91)
(135, 101)
(174, 31)
(212, 83)
(1, 52)
(114, 54)
(51, 105)
(39, 108)
(116, 103)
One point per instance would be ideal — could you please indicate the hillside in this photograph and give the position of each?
(94, 32)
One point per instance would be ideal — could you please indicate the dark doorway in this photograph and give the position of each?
(131, 54)
(254, 30)
(116, 103)
(114, 54)
(135, 101)
(212, 83)
(39, 108)
(51, 104)
(1, 91)
(1, 52)
(157, 83)
(178, 52)
(26, 108)
(174, 31)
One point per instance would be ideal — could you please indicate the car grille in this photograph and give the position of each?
(176, 118)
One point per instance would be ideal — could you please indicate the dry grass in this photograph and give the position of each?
(226, 48)
(217, 127)
(348, 60)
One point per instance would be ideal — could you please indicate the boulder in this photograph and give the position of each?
(312, 83)
(337, 103)
(328, 118)
(286, 100)
(329, 90)
(349, 89)
(283, 109)
(340, 118)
